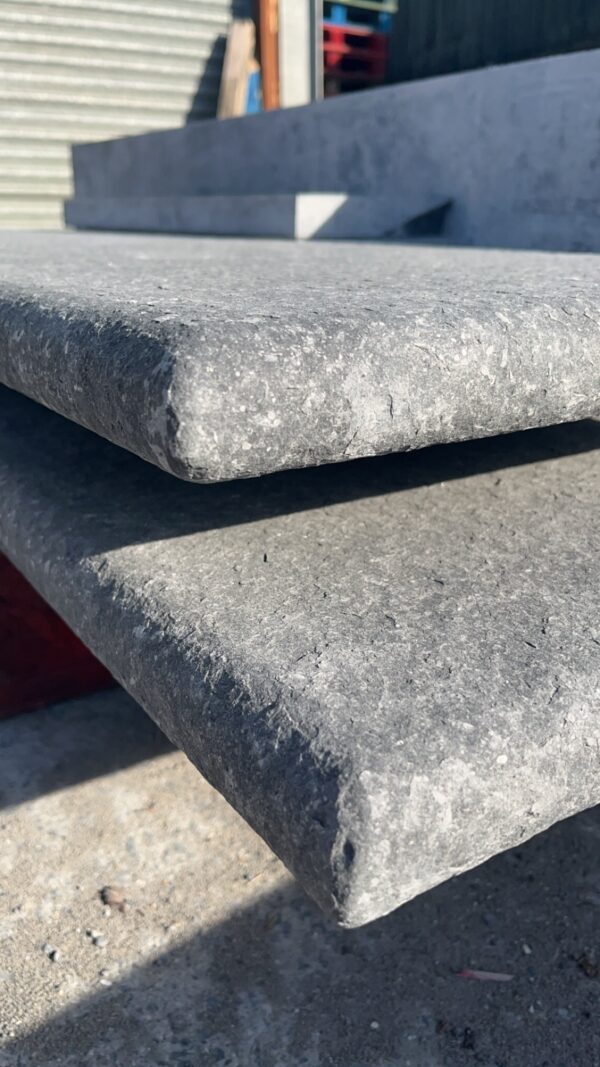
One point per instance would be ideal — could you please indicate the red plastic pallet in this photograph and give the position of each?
(355, 37)
(355, 52)
(41, 660)
(348, 69)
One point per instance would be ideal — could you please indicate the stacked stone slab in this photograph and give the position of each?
(226, 359)
(390, 667)
(509, 146)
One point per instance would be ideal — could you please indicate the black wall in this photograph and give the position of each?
(440, 36)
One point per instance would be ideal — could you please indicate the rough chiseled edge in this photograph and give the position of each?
(267, 783)
(267, 767)
(189, 396)
(58, 358)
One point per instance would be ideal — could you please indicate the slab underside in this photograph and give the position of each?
(304, 216)
(218, 359)
(391, 669)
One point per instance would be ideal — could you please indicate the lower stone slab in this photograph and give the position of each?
(303, 216)
(390, 668)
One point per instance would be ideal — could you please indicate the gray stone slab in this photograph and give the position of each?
(303, 216)
(510, 145)
(218, 359)
(392, 670)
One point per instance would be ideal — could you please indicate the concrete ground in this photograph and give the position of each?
(210, 954)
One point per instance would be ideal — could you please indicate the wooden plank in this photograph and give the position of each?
(239, 55)
(269, 52)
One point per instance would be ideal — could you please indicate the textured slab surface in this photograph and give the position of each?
(223, 358)
(305, 216)
(392, 670)
(510, 145)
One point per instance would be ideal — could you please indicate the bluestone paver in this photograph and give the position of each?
(391, 669)
(219, 359)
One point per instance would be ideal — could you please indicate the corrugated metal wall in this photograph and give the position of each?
(86, 70)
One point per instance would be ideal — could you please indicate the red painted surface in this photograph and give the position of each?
(354, 52)
(360, 38)
(41, 660)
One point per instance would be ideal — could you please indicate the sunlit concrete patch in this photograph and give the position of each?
(180, 858)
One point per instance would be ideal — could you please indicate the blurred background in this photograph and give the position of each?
(90, 70)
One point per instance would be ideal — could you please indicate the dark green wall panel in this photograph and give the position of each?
(441, 36)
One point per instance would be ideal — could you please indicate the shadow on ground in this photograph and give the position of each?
(276, 985)
(72, 743)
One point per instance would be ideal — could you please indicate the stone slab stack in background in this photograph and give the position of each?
(512, 148)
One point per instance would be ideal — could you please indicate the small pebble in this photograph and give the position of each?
(526, 949)
(113, 896)
(468, 1041)
(374, 1025)
(97, 938)
(52, 953)
(588, 965)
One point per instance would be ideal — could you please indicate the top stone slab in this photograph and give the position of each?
(218, 359)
